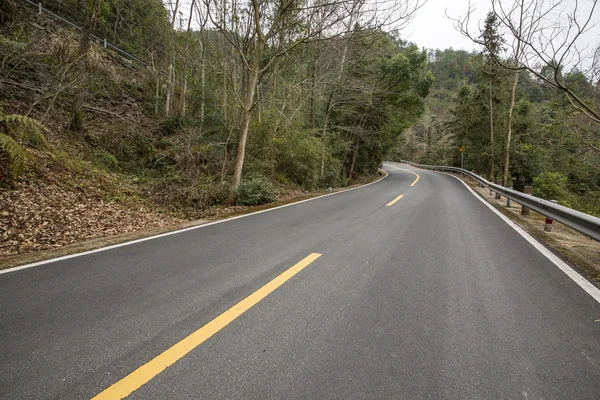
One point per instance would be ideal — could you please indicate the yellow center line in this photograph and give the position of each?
(391, 203)
(414, 173)
(146, 372)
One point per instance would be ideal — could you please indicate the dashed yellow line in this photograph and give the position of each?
(391, 203)
(146, 372)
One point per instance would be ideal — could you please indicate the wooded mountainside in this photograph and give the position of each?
(317, 113)
(214, 107)
(547, 135)
(241, 103)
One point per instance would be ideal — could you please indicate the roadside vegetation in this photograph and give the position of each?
(525, 111)
(154, 113)
(213, 106)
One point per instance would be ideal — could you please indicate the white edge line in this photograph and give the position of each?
(114, 246)
(571, 273)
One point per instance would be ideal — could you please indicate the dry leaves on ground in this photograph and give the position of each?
(40, 216)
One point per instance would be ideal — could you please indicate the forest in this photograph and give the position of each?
(521, 121)
(191, 104)
(229, 105)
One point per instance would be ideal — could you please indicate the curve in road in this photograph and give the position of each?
(432, 297)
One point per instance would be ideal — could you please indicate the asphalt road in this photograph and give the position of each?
(433, 297)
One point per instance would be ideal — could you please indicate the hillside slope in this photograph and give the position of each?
(83, 185)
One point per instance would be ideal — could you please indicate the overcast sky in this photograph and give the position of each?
(432, 29)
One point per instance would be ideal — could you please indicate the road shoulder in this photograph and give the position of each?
(575, 249)
(108, 242)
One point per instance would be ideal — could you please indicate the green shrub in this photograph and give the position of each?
(550, 186)
(107, 161)
(254, 191)
(170, 125)
(299, 158)
(331, 173)
(219, 192)
(11, 45)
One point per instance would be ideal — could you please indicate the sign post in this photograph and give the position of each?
(462, 156)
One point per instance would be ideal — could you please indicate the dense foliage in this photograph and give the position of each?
(554, 147)
(325, 112)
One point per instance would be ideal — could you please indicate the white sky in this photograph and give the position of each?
(432, 29)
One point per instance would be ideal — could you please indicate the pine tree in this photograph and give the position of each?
(493, 46)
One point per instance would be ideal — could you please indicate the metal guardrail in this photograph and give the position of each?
(581, 222)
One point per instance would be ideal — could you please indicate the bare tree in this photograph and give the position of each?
(493, 44)
(202, 19)
(549, 34)
(261, 31)
(519, 11)
(76, 123)
(545, 40)
(171, 83)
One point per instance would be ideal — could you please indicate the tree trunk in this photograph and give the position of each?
(116, 25)
(157, 94)
(275, 73)
(183, 94)
(312, 95)
(76, 123)
(353, 163)
(259, 106)
(491, 176)
(225, 114)
(328, 106)
(323, 142)
(509, 133)
(171, 83)
(322, 157)
(324, 133)
(169, 88)
(246, 115)
(157, 99)
(202, 95)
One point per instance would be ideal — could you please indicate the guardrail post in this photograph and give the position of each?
(40, 8)
(526, 190)
(104, 42)
(491, 192)
(509, 201)
(498, 197)
(548, 225)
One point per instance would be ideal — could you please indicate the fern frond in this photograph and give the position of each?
(16, 153)
(34, 138)
(23, 120)
(30, 130)
(11, 44)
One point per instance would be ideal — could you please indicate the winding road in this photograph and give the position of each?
(407, 288)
